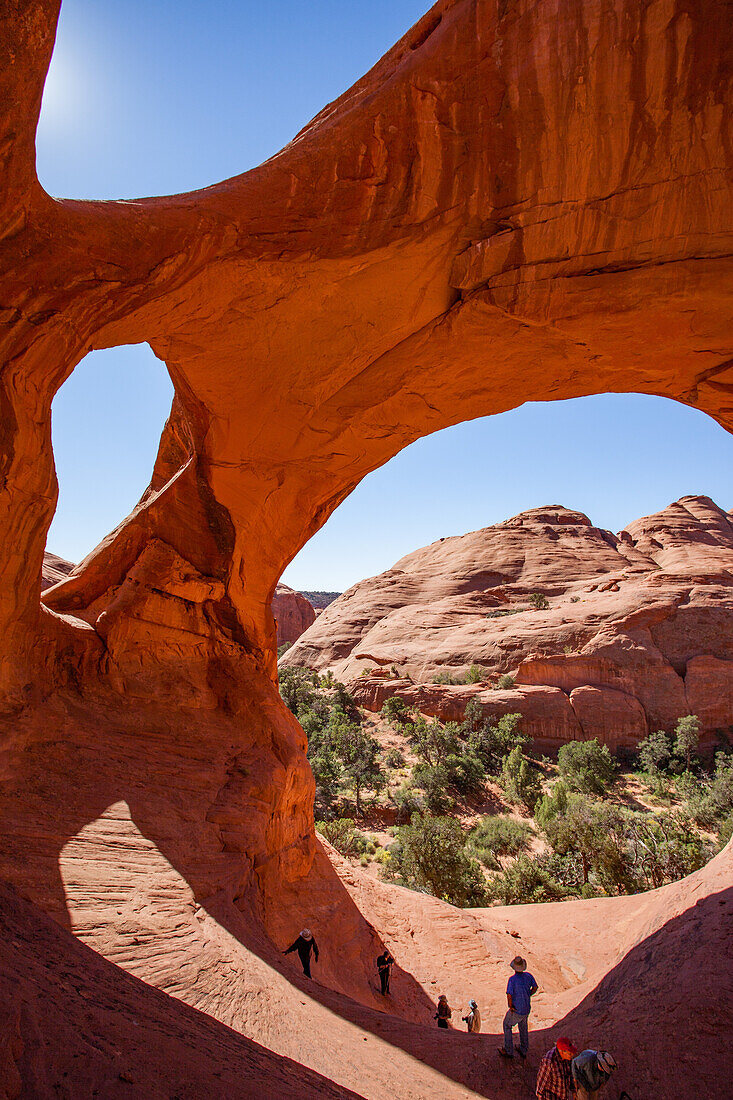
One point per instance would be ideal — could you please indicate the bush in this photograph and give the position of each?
(523, 881)
(710, 801)
(586, 766)
(725, 832)
(327, 774)
(505, 681)
(664, 848)
(394, 759)
(430, 855)
(283, 649)
(498, 836)
(521, 782)
(432, 741)
(539, 602)
(465, 772)
(491, 743)
(594, 834)
(552, 804)
(654, 753)
(476, 674)
(396, 711)
(687, 738)
(434, 781)
(343, 835)
(407, 802)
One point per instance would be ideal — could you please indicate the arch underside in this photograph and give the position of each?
(520, 202)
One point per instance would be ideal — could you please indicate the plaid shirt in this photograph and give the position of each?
(555, 1078)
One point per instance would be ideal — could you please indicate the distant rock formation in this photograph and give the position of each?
(638, 628)
(55, 569)
(293, 613)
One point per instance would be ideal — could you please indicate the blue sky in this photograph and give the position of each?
(161, 97)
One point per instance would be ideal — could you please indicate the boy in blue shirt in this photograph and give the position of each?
(519, 991)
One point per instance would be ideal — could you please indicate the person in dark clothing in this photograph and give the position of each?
(304, 945)
(384, 966)
(591, 1071)
(444, 1013)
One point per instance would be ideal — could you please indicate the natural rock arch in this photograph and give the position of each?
(520, 201)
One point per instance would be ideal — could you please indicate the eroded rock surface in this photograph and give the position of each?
(638, 630)
(293, 613)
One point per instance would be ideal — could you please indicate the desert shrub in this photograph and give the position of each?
(432, 741)
(594, 833)
(393, 758)
(407, 801)
(446, 677)
(654, 753)
(575, 599)
(725, 832)
(299, 689)
(327, 774)
(364, 861)
(551, 804)
(538, 601)
(664, 848)
(382, 856)
(343, 835)
(430, 855)
(358, 753)
(465, 772)
(505, 681)
(283, 649)
(520, 779)
(491, 743)
(586, 766)
(687, 738)
(498, 836)
(395, 711)
(524, 880)
(710, 800)
(433, 780)
(476, 674)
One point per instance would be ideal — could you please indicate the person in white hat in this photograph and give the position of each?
(520, 989)
(591, 1070)
(304, 945)
(473, 1018)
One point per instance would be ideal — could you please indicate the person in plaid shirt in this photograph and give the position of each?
(555, 1078)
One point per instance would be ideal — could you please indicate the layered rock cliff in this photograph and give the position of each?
(293, 613)
(638, 628)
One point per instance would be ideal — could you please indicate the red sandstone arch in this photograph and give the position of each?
(521, 201)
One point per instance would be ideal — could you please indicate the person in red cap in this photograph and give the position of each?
(555, 1077)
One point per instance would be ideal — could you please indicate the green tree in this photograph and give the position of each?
(358, 753)
(687, 738)
(343, 835)
(433, 780)
(594, 832)
(327, 774)
(654, 752)
(430, 855)
(498, 836)
(551, 804)
(395, 711)
(465, 772)
(520, 780)
(664, 848)
(492, 742)
(432, 741)
(525, 880)
(586, 766)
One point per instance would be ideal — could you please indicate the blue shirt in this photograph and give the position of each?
(521, 987)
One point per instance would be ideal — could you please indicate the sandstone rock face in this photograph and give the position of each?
(638, 629)
(520, 201)
(55, 569)
(293, 613)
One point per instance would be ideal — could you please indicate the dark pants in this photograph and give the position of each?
(305, 958)
(384, 978)
(443, 1023)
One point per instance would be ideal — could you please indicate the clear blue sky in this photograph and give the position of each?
(156, 97)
